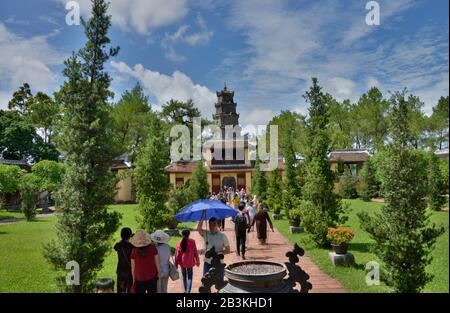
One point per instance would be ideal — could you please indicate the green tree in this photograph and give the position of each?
(9, 181)
(199, 182)
(346, 186)
(439, 123)
(49, 176)
(28, 195)
(16, 136)
(371, 119)
(20, 100)
(259, 181)
(320, 208)
(402, 231)
(288, 123)
(275, 192)
(368, 185)
(130, 115)
(435, 198)
(85, 227)
(340, 127)
(292, 191)
(152, 184)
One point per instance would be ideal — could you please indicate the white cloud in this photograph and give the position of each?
(342, 88)
(26, 60)
(142, 16)
(180, 36)
(287, 46)
(177, 86)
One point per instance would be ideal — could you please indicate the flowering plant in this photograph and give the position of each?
(340, 235)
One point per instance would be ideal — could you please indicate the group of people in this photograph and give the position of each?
(145, 262)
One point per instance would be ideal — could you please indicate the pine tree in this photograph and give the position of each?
(85, 227)
(320, 208)
(435, 198)
(275, 192)
(368, 186)
(291, 184)
(259, 181)
(152, 184)
(199, 183)
(402, 231)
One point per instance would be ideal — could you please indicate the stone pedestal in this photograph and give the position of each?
(341, 259)
(295, 230)
(276, 216)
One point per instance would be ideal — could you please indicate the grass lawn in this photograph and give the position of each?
(22, 266)
(9, 214)
(353, 278)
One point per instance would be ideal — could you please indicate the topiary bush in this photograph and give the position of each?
(28, 195)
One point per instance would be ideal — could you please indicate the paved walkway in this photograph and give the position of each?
(274, 251)
(14, 220)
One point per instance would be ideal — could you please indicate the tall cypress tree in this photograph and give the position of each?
(259, 181)
(274, 192)
(402, 230)
(320, 208)
(199, 186)
(291, 184)
(368, 186)
(152, 183)
(435, 198)
(85, 227)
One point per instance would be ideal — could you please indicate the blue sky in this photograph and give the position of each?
(266, 51)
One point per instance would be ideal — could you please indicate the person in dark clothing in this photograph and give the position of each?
(241, 225)
(261, 219)
(123, 249)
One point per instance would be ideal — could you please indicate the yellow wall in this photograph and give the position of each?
(124, 189)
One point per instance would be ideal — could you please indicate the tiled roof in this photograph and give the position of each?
(121, 165)
(13, 162)
(181, 167)
(349, 156)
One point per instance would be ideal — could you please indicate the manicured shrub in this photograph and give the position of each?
(346, 187)
(403, 234)
(434, 196)
(29, 187)
(368, 186)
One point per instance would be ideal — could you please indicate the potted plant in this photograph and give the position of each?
(339, 238)
(276, 213)
(294, 217)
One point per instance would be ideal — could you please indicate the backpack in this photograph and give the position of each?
(241, 223)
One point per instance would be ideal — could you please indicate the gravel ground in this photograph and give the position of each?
(253, 269)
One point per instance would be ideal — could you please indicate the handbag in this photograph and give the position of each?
(173, 272)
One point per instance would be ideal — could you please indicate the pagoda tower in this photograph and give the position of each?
(225, 110)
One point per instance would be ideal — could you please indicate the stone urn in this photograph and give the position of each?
(256, 277)
(340, 249)
(294, 222)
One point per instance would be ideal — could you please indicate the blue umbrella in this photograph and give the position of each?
(214, 208)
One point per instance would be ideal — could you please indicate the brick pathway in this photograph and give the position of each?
(274, 251)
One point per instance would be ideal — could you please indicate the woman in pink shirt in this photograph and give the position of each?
(186, 255)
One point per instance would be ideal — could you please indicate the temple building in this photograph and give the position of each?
(227, 157)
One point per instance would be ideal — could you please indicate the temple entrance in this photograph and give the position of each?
(229, 181)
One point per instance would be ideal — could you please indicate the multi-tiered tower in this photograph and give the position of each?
(225, 110)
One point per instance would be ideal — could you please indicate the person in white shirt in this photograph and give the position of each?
(213, 238)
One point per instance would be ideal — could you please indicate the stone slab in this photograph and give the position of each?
(341, 259)
(295, 230)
